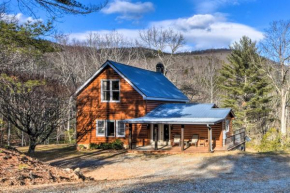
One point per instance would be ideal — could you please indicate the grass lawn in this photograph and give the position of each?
(48, 153)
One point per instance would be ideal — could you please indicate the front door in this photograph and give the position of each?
(166, 134)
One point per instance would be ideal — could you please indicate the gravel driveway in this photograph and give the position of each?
(217, 172)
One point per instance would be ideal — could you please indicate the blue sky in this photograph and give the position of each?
(204, 23)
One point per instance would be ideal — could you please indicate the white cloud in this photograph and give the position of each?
(194, 22)
(210, 31)
(17, 17)
(202, 31)
(211, 6)
(128, 10)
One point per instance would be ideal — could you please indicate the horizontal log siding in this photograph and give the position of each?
(90, 108)
(201, 130)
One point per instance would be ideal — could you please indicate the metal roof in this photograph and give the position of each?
(151, 85)
(190, 113)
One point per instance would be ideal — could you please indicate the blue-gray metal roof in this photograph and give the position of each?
(190, 113)
(152, 84)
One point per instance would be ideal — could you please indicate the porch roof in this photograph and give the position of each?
(190, 113)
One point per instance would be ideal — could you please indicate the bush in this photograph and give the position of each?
(271, 141)
(94, 146)
(117, 144)
(106, 146)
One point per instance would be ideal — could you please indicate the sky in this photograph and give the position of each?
(205, 24)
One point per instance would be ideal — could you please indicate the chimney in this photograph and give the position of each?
(160, 68)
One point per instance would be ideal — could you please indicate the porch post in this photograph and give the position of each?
(209, 138)
(130, 136)
(156, 136)
(182, 138)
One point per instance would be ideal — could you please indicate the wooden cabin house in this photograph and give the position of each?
(143, 108)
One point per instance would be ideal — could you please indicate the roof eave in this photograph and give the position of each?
(171, 122)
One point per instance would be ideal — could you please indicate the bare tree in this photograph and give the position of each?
(164, 44)
(209, 78)
(33, 107)
(276, 47)
(60, 6)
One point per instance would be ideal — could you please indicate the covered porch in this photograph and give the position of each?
(185, 127)
(176, 138)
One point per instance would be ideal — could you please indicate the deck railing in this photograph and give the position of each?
(236, 139)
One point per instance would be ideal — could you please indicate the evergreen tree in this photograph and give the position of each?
(245, 87)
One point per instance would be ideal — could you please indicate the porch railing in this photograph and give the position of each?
(236, 139)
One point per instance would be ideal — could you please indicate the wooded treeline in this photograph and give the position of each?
(39, 77)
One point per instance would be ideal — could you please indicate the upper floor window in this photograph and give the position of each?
(110, 91)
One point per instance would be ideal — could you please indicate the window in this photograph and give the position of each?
(110, 91)
(227, 125)
(100, 128)
(107, 128)
(120, 129)
(110, 129)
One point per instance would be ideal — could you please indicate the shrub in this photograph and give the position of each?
(271, 141)
(117, 144)
(105, 146)
(94, 146)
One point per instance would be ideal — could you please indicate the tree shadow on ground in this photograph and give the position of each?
(69, 157)
(91, 160)
(100, 158)
(243, 172)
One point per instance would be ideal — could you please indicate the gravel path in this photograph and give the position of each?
(223, 172)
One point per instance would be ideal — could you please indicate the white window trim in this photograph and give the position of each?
(111, 90)
(227, 125)
(105, 127)
(117, 129)
(97, 132)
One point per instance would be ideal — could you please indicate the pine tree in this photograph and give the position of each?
(245, 88)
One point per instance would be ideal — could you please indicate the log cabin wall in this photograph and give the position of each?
(90, 108)
(201, 131)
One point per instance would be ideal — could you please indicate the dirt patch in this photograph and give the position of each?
(18, 169)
